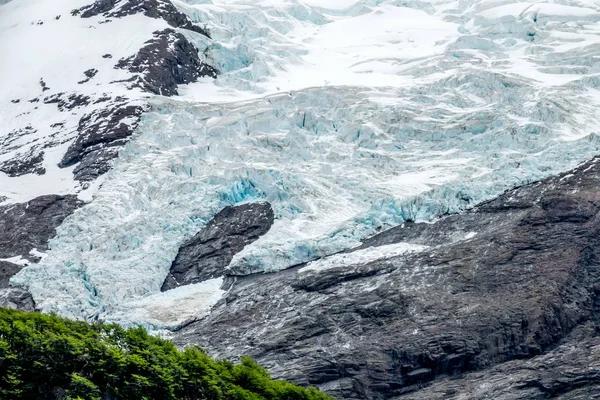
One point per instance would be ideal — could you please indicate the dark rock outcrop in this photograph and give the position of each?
(27, 163)
(509, 280)
(89, 74)
(208, 254)
(67, 102)
(100, 135)
(11, 141)
(26, 226)
(571, 371)
(7, 271)
(164, 62)
(16, 298)
(162, 9)
(10, 297)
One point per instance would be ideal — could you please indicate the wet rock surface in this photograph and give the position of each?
(501, 289)
(164, 62)
(208, 254)
(28, 226)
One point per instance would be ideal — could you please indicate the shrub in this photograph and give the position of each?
(47, 357)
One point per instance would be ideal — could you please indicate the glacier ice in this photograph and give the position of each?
(349, 117)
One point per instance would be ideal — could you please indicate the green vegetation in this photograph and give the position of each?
(46, 357)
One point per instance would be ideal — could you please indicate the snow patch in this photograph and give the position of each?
(17, 260)
(363, 256)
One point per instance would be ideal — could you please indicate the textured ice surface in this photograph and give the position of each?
(349, 117)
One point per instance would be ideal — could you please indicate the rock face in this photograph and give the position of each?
(208, 254)
(27, 163)
(7, 270)
(13, 297)
(571, 371)
(164, 62)
(16, 298)
(23, 228)
(151, 8)
(28, 226)
(509, 280)
(100, 135)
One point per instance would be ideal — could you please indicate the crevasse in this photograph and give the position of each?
(344, 137)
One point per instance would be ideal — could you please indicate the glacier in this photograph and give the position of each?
(349, 117)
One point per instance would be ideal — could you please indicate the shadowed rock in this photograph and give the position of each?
(208, 253)
(101, 133)
(571, 371)
(509, 280)
(164, 62)
(26, 226)
(16, 298)
(11, 297)
(27, 163)
(7, 270)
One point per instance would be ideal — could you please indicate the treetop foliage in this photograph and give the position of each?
(47, 357)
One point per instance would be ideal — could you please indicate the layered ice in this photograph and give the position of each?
(349, 117)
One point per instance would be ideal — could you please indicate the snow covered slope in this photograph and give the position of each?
(347, 116)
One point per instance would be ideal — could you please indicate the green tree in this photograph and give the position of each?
(44, 356)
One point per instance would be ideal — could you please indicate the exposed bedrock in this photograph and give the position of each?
(101, 133)
(569, 372)
(509, 280)
(208, 254)
(27, 163)
(25, 227)
(13, 297)
(164, 62)
(162, 9)
(28, 226)
(16, 298)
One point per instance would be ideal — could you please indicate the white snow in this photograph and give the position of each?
(363, 256)
(470, 235)
(40, 40)
(171, 309)
(349, 116)
(17, 260)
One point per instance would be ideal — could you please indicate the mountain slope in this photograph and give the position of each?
(129, 125)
